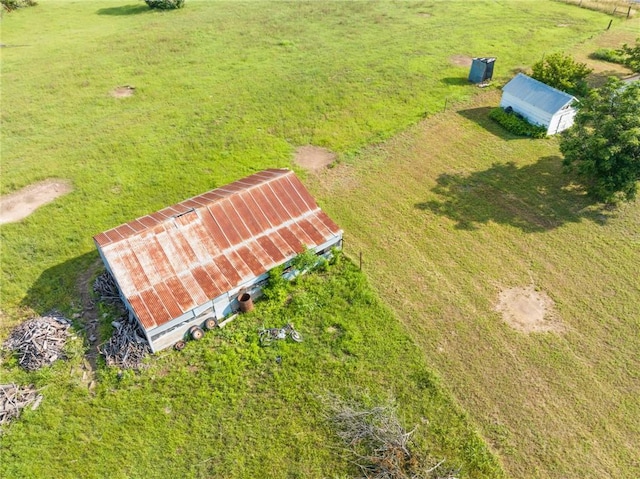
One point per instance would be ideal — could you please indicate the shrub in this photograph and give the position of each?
(562, 72)
(10, 5)
(608, 55)
(514, 123)
(165, 4)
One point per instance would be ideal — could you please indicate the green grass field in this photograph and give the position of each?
(446, 211)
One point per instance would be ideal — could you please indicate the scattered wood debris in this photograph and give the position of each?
(14, 398)
(126, 348)
(106, 288)
(39, 341)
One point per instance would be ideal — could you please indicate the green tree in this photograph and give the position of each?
(631, 55)
(562, 72)
(165, 4)
(603, 145)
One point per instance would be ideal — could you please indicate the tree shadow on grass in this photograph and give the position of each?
(124, 10)
(534, 198)
(481, 117)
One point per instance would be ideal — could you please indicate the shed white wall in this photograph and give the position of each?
(527, 110)
(562, 120)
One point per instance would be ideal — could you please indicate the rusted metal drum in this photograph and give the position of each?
(245, 301)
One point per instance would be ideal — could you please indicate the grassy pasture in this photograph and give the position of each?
(455, 210)
(227, 88)
(222, 89)
(224, 407)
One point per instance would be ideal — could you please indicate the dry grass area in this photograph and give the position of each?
(453, 212)
(612, 7)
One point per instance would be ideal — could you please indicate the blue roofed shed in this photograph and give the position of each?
(539, 103)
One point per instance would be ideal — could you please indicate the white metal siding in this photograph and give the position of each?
(530, 112)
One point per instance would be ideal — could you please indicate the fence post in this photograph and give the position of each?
(360, 260)
(610, 22)
(629, 12)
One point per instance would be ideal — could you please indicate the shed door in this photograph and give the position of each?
(565, 121)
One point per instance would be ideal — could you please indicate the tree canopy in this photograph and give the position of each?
(631, 55)
(562, 72)
(603, 145)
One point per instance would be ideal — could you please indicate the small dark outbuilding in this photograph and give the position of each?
(481, 69)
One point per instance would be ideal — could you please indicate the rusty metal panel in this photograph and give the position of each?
(114, 236)
(213, 228)
(225, 224)
(227, 270)
(183, 299)
(312, 232)
(285, 248)
(256, 211)
(237, 221)
(142, 313)
(292, 205)
(218, 278)
(206, 282)
(251, 260)
(301, 235)
(250, 222)
(101, 239)
(168, 299)
(264, 206)
(328, 222)
(297, 188)
(191, 285)
(294, 242)
(154, 305)
(271, 249)
(239, 265)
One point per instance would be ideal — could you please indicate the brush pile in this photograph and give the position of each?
(39, 341)
(378, 444)
(126, 349)
(14, 398)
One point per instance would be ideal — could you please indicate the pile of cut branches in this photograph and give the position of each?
(126, 348)
(377, 442)
(14, 398)
(39, 341)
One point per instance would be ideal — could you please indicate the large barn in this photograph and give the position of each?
(186, 264)
(539, 103)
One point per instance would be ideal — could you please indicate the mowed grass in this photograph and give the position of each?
(227, 408)
(455, 210)
(224, 89)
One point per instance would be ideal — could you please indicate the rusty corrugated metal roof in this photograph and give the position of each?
(171, 261)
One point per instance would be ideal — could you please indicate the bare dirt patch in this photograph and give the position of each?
(314, 158)
(123, 91)
(528, 310)
(20, 204)
(461, 60)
